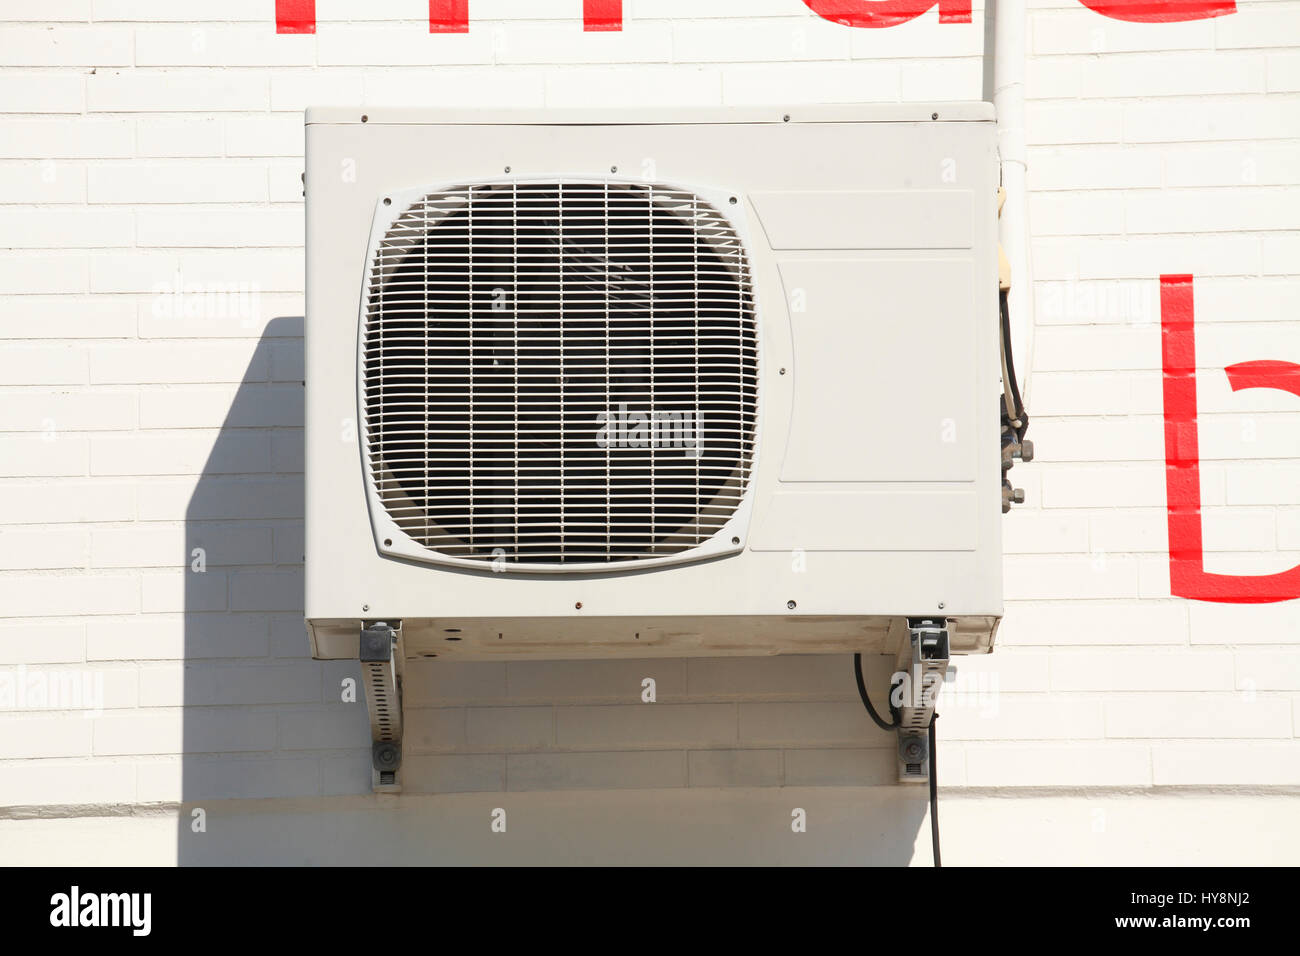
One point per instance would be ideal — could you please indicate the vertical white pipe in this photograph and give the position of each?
(1006, 28)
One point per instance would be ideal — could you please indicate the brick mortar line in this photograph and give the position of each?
(326, 804)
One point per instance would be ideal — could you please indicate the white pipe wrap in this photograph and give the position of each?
(1007, 75)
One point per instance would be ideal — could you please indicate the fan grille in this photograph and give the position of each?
(559, 374)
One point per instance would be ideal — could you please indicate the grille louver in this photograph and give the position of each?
(559, 375)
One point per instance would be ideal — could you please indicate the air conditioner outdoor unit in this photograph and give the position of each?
(660, 383)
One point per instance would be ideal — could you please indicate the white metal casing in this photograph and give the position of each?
(871, 236)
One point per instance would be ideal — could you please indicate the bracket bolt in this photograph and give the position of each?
(911, 749)
(386, 755)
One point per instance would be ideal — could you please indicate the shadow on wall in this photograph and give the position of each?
(276, 765)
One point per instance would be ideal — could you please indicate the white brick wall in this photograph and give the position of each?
(146, 143)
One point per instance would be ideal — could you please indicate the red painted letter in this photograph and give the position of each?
(887, 13)
(1187, 575)
(295, 16)
(1161, 11)
(449, 16)
(452, 16)
(600, 15)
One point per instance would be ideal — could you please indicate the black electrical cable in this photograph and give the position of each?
(934, 795)
(934, 763)
(1016, 414)
(866, 701)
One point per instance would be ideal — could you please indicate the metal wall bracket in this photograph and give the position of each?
(381, 659)
(923, 659)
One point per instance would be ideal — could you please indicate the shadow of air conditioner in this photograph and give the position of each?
(275, 766)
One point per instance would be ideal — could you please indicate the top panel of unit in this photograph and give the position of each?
(963, 112)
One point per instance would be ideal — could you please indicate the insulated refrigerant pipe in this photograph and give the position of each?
(1005, 46)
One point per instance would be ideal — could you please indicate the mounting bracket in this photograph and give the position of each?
(923, 659)
(381, 657)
